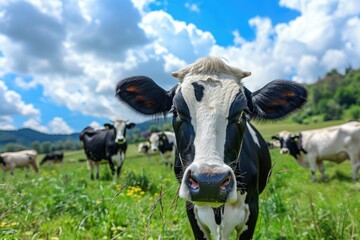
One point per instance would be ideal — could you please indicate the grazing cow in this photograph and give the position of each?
(273, 144)
(335, 144)
(222, 162)
(106, 144)
(25, 158)
(53, 157)
(164, 142)
(145, 148)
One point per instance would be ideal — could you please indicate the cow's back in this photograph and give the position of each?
(333, 143)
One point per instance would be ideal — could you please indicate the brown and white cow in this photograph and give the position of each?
(20, 159)
(222, 162)
(311, 148)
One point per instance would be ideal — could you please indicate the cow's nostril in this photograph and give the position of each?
(225, 183)
(193, 183)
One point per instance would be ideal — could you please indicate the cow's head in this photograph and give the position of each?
(209, 106)
(2, 161)
(120, 126)
(284, 138)
(290, 143)
(144, 147)
(154, 141)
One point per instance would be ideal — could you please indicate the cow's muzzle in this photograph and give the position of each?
(284, 151)
(210, 187)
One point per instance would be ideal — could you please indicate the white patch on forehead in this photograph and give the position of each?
(253, 134)
(120, 126)
(235, 216)
(209, 116)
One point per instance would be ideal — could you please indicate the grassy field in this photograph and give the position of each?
(61, 202)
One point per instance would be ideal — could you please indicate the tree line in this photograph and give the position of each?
(46, 147)
(333, 97)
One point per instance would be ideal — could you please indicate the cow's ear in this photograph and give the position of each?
(276, 100)
(144, 95)
(130, 125)
(108, 126)
(276, 137)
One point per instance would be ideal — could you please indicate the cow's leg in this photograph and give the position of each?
(164, 158)
(321, 168)
(198, 233)
(27, 171)
(312, 163)
(91, 166)
(355, 163)
(112, 167)
(97, 164)
(35, 166)
(172, 159)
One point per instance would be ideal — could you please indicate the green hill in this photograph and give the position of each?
(27, 136)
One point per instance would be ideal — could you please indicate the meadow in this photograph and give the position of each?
(61, 202)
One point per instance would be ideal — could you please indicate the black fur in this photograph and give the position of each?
(199, 91)
(55, 157)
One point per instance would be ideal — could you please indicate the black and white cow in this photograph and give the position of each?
(164, 142)
(53, 157)
(144, 147)
(336, 144)
(222, 162)
(106, 144)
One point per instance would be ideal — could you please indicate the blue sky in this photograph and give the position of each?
(60, 60)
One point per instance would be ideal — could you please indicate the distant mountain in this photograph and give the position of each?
(27, 136)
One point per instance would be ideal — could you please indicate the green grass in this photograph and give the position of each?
(61, 202)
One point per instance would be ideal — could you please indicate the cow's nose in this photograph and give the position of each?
(120, 140)
(209, 186)
(284, 151)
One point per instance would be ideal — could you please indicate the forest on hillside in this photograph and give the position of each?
(333, 97)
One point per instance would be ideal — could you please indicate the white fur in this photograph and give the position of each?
(235, 216)
(253, 134)
(209, 119)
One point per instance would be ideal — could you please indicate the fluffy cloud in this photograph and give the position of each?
(325, 36)
(6, 123)
(56, 126)
(12, 103)
(59, 126)
(78, 50)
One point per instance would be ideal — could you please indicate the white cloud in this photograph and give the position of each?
(24, 84)
(78, 50)
(12, 103)
(58, 126)
(6, 123)
(35, 123)
(326, 35)
(192, 7)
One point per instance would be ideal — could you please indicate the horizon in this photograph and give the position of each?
(59, 75)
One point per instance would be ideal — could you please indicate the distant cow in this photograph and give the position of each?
(53, 157)
(164, 142)
(144, 147)
(21, 159)
(222, 162)
(335, 144)
(106, 144)
(273, 144)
